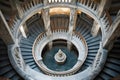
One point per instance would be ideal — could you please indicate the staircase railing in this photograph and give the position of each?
(91, 71)
(59, 1)
(17, 61)
(42, 40)
(113, 31)
(93, 6)
(31, 8)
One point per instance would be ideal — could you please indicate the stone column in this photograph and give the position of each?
(72, 21)
(72, 25)
(69, 45)
(95, 29)
(50, 45)
(5, 32)
(103, 5)
(24, 30)
(46, 20)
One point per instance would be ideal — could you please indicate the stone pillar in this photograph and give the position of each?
(46, 20)
(24, 30)
(72, 25)
(104, 4)
(69, 45)
(95, 29)
(5, 32)
(72, 21)
(50, 45)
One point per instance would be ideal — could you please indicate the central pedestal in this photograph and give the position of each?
(60, 57)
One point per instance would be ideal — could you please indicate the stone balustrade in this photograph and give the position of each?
(89, 8)
(35, 6)
(77, 40)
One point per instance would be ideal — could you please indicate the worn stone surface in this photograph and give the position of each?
(95, 29)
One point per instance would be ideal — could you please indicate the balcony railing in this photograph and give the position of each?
(78, 41)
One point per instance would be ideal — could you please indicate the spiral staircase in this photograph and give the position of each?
(6, 68)
(27, 57)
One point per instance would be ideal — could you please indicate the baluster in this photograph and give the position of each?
(56, 1)
(34, 2)
(69, 1)
(66, 1)
(108, 27)
(37, 1)
(91, 4)
(94, 6)
(107, 23)
(84, 2)
(14, 22)
(88, 2)
(22, 12)
(23, 9)
(51, 1)
(104, 16)
(31, 4)
(80, 1)
(106, 19)
(28, 6)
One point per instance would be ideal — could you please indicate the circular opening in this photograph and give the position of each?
(70, 56)
(73, 48)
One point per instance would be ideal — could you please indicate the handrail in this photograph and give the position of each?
(109, 17)
(112, 32)
(15, 62)
(36, 6)
(59, 1)
(89, 3)
(35, 3)
(41, 38)
(28, 4)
